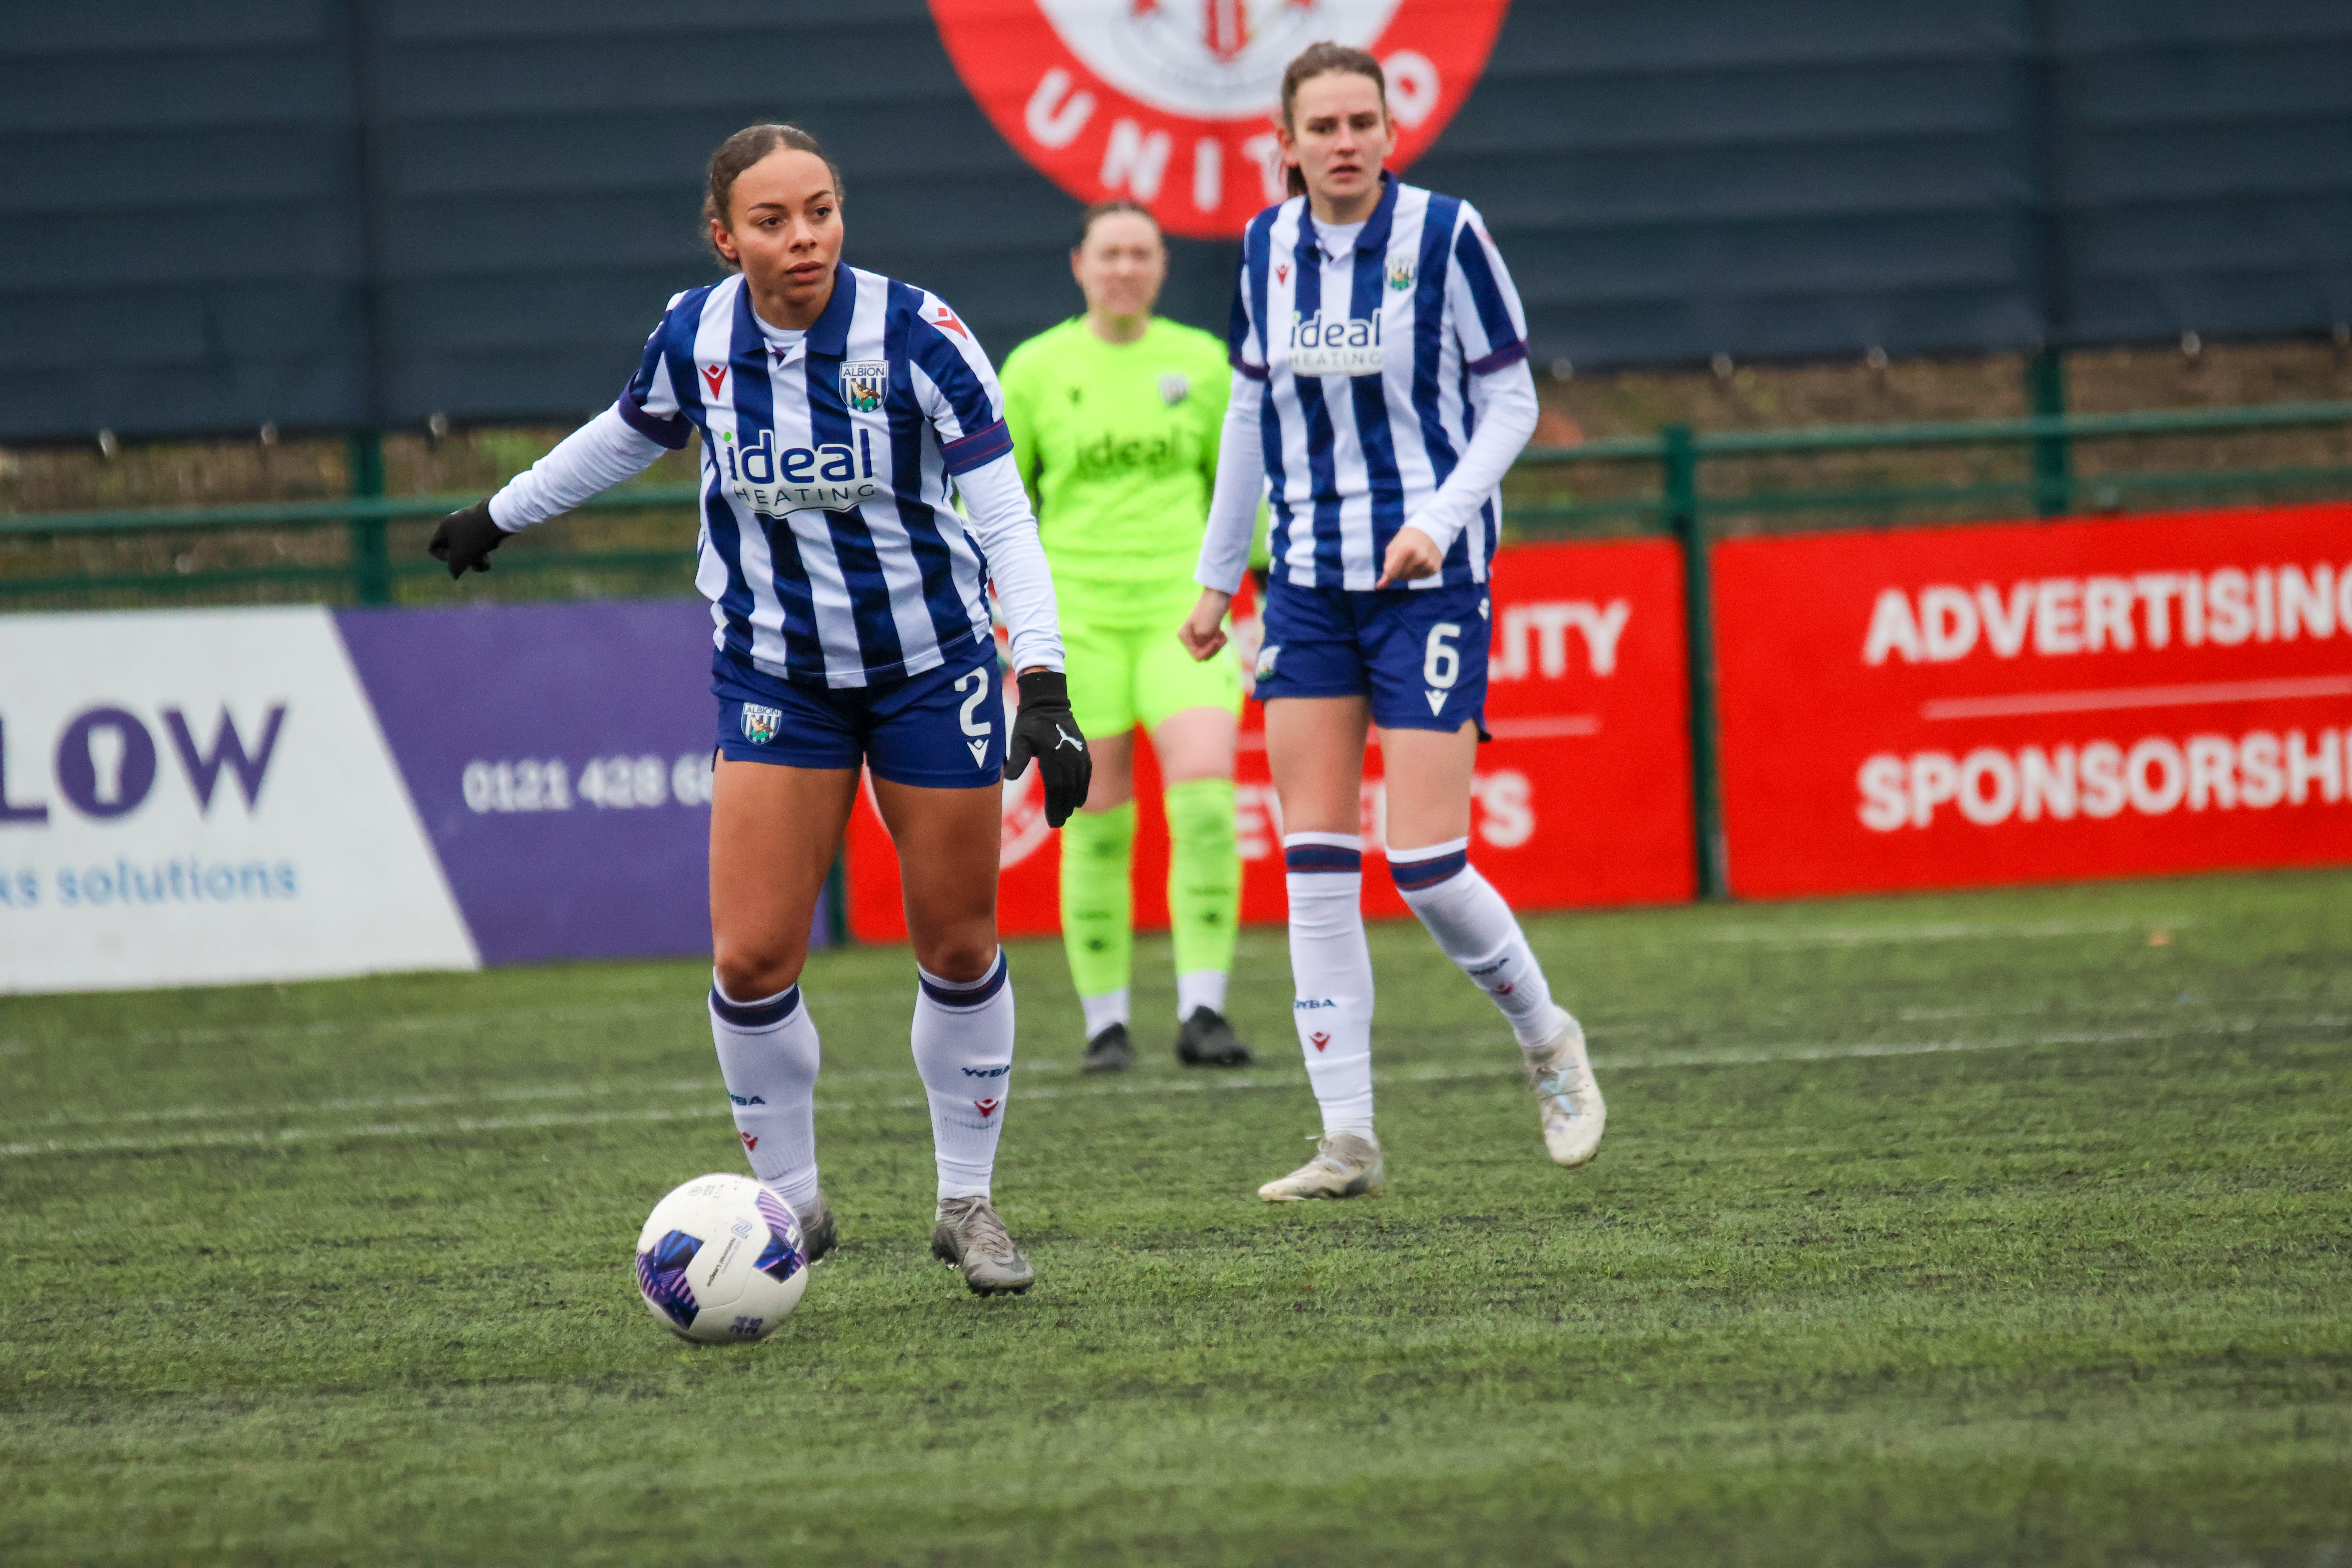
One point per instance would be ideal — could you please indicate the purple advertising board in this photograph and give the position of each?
(559, 757)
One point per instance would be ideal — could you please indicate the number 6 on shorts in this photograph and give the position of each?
(1440, 661)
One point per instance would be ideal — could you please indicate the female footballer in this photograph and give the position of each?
(1380, 390)
(1114, 416)
(838, 408)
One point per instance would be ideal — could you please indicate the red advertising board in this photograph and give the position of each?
(1582, 798)
(2035, 701)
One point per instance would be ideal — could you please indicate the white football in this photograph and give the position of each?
(720, 1260)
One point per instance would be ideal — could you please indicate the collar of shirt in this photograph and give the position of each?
(1372, 234)
(784, 343)
(1339, 240)
(830, 335)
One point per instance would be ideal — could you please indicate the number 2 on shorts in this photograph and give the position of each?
(979, 679)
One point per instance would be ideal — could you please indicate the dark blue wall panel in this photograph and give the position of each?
(184, 243)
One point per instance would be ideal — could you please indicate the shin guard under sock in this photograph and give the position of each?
(1098, 898)
(1205, 878)
(963, 1050)
(768, 1055)
(1475, 928)
(1331, 970)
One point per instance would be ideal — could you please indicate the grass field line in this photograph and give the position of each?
(683, 1009)
(834, 1078)
(1941, 930)
(413, 1025)
(1238, 1083)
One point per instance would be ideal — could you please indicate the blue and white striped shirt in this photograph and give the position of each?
(831, 550)
(1367, 358)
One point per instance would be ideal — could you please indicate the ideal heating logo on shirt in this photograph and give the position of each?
(1335, 345)
(831, 477)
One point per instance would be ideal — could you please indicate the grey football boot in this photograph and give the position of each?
(968, 1235)
(817, 1228)
(1345, 1166)
(1206, 1040)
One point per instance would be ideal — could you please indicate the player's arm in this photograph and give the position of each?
(1487, 317)
(1240, 478)
(959, 392)
(618, 444)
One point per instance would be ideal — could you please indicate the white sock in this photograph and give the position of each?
(1477, 930)
(1331, 968)
(963, 1049)
(768, 1055)
(1105, 1010)
(1201, 988)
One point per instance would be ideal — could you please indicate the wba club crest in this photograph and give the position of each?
(759, 723)
(1170, 103)
(863, 383)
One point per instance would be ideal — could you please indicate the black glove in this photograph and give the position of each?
(1044, 729)
(465, 539)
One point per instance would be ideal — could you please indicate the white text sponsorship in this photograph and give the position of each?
(2154, 775)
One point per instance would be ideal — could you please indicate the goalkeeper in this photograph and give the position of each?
(1115, 417)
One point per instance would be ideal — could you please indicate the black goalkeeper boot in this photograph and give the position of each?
(1110, 1052)
(1206, 1040)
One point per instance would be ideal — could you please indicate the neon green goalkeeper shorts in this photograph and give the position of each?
(1120, 675)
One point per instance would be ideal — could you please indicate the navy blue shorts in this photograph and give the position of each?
(1418, 653)
(944, 729)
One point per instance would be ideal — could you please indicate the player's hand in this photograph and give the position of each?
(1203, 631)
(1043, 728)
(465, 539)
(1412, 557)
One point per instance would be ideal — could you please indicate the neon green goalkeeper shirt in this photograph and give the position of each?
(1117, 446)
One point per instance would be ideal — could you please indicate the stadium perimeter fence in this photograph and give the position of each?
(1696, 487)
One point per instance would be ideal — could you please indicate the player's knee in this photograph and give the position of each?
(748, 971)
(1421, 872)
(959, 958)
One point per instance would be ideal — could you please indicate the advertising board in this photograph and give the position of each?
(1583, 797)
(1950, 707)
(559, 756)
(211, 796)
(203, 795)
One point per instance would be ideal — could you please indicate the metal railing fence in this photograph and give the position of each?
(1695, 486)
(366, 549)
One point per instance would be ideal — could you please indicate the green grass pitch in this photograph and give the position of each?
(1989, 1229)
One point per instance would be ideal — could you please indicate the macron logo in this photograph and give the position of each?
(714, 374)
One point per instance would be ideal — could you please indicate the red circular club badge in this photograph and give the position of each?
(1171, 102)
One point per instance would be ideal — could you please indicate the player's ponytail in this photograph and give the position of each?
(1319, 59)
(739, 152)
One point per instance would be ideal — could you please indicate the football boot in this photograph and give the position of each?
(1345, 1166)
(1568, 1101)
(967, 1236)
(1110, 1052)
(817, 1228)
(1206, 1040)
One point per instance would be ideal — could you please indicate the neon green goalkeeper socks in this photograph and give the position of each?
(1204, 873)
(1098, 902)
